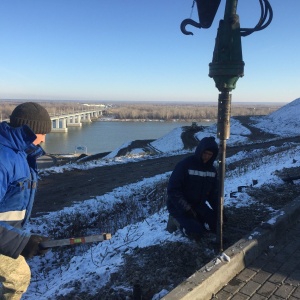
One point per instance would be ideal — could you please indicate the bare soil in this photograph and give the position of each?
(59, 190)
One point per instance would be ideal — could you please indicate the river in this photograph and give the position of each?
(105, 136)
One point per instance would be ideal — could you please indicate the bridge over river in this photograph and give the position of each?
(61, 123)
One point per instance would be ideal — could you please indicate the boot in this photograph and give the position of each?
(172, 224)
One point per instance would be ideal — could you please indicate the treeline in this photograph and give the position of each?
(196, 112)
(147, 111)
(53, 107)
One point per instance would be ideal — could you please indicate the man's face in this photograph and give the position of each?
(206, 156)
(40, 138)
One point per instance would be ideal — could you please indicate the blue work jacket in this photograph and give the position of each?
(193, 183)
(18, 177)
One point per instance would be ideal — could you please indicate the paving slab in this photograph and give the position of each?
(257, 269)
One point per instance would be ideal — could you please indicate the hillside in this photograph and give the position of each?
(125, 195)
(63, 189)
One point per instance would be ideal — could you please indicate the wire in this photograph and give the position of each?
(266, 14)
(192, 8)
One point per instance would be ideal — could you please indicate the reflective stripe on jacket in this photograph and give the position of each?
(193, 182)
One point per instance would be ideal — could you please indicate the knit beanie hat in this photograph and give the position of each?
(32, 114)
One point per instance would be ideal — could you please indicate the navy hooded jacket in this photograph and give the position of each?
(193, 182)
(18, 178)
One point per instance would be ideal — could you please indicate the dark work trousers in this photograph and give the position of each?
(195, 226)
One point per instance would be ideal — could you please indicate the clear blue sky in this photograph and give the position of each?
(134, 50)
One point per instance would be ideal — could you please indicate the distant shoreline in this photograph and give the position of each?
(150, 111)
(155, 120)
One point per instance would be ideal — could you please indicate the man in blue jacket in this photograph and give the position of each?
(19, 149)
(193, 191)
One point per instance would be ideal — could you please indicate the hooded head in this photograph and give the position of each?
(32, 114)
(207, 144)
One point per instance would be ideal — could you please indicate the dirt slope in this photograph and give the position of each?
(57, 191)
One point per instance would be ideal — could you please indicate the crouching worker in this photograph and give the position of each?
(19, 149)
(193, 191)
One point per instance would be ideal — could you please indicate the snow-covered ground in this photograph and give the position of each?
(284, 121)
(93, 267)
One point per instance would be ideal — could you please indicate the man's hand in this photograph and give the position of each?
(191, 214)
(33, 247)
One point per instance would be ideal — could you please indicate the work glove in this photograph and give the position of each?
(33, 246)
(191, 214)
